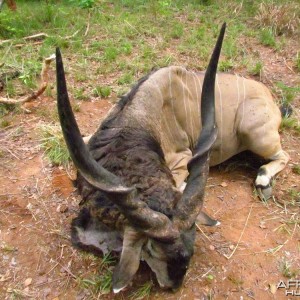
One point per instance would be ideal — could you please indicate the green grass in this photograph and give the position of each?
(4, 123)
(118, 36)
(296, 169)
(226, 65)
(127, 37)
(288, 93)
(80, 94)
(53, 144)
(257, 69)
(143, 292)
(294, 193)
(101, 283)
(290, 123)
(287, 270)
(102, 91)
(98, 284)
(267, 37)
(297, 61)
(83, 3)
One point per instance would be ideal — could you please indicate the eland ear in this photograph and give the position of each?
(130, 259)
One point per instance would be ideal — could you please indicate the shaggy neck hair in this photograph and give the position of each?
(136, 157)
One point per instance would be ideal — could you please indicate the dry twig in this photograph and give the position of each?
(242, 233)
(42, 88)
(36, 37)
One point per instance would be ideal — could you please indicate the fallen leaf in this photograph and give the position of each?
(224, 184)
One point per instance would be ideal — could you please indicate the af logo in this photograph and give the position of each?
(292, 287)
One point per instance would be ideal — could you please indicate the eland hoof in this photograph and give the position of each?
(264, 193)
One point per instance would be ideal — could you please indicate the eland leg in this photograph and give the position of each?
(267, 145)
(258, 123)
(266, 173)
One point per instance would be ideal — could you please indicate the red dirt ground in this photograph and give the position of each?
(38, 201)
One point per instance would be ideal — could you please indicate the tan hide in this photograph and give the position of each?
(168, 102)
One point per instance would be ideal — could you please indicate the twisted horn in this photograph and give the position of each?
(191, 202)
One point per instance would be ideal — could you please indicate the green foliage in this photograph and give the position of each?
(6, 29)
(126, 48)
(10, 89)
(83, 3)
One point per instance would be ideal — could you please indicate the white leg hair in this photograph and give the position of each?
(263, 182)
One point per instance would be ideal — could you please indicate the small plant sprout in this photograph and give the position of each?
(287, 269)
(296, 169)
(257, 69)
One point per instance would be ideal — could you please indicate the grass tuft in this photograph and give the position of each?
(142, 292)
(100, 284)
(287, 270)
(53, 144)
(281, 18)
(267, 37)
(257, 69)
(288, 93)
(290, 123)
(102, 91)
(296, 169)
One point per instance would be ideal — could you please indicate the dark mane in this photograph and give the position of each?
(137, 158)
(125, 100)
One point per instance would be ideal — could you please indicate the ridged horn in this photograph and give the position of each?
(191, 202)
(95, 174)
